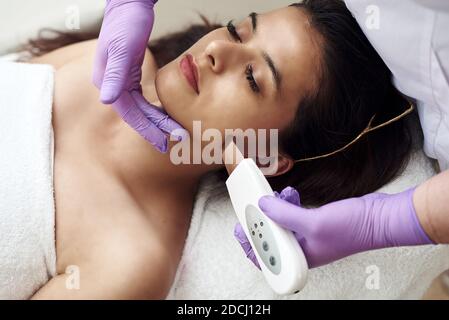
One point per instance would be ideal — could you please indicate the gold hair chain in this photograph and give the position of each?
(365, 131)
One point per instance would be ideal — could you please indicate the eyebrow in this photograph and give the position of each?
(274, 71)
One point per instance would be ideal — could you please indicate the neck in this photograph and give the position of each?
(144, 168)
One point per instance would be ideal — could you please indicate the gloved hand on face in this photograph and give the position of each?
(123, 39)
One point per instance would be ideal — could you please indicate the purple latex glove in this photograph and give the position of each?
(124, 35)
(345, 227)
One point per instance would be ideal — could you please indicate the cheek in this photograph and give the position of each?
(230, 103)
(226, 104)
(234, 105)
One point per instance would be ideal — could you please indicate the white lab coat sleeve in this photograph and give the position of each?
(412, 39)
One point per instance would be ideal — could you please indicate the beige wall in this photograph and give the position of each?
(175, 14)
(21, 19)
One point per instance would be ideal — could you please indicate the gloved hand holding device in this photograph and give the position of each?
(345, 227)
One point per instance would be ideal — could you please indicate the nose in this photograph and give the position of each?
(222, 55)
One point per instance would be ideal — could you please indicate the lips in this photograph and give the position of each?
(190, 71)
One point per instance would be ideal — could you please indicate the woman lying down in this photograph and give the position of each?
(122, 209)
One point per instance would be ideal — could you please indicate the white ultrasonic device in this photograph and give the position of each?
(280, 257)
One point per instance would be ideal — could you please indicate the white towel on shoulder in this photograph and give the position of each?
(27, 237)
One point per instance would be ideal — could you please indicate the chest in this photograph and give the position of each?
(94, 207)
(92, 204)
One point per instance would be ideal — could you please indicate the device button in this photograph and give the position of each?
(265, 246)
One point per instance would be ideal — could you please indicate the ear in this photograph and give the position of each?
(284, 164)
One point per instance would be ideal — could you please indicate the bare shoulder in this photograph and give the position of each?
(66, 54)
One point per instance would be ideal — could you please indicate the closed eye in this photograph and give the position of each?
(231, 29)
(252, 83)
(249, 69)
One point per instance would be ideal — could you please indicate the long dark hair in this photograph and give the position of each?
(355, 84)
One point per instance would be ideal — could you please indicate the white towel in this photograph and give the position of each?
(27, 237)
(213, 265)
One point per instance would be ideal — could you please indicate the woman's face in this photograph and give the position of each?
(226, 98)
